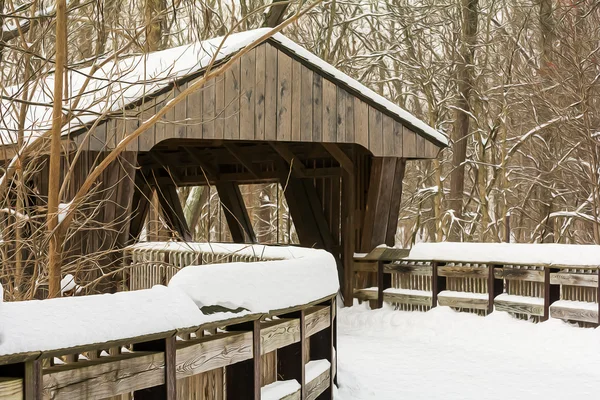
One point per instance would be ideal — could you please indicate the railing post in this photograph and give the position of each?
(321, 348)
(168, 390)
(290, 359)
(551, 292)
(495, 287)
(438, 283)
(243, 378)
(31, 374)
(384, 281)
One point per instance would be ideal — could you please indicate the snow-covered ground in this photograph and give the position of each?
(442, 354)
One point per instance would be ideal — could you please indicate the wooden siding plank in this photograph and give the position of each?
(375, 131)
(317, 125)
(296, 99)
(219, 106)
(232, 101)
(306, 104)
(180, 116)
(259, 96)
(194, 115)
(349, 118)
(316, 319)
(329, 112)
(387, 134)
(397, 133)
(11, 389)
(161, 124)
(341, 115)
(420, 146)
(271, 93)
(247, 101)
(409, 143)
(431, 150)
(284, 97)
(361, 123)
(208, 109)
(279, 333)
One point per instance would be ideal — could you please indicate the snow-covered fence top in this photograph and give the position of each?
(195, 296)
(537, 254)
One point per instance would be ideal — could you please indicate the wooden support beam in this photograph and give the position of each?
(551, 292)
(348, 235)
(236, 212)
(243, 378)
(341, 157)
(290, 359)
(321, 348)
(276, 13)
(173, 211)
(384, 281)
(290, 158)
(210, 170)
(244, 159)
(438, 283)
(167, 390)
(26, 376)
(495, 288)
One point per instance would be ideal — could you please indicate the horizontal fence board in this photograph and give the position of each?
(523, 274)
(316, 319)
(519, 307)
(105, 377)
(463, 272)
(463, 302)
(574, 314)
(212, 352)
(318, 385)
(279, 333)
(11, 389)
(405, 298)
(424, 270)
(564, 278)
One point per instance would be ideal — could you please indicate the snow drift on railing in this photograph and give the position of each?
(509, 253)
(299, 277)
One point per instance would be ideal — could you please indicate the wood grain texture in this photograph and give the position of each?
(564, 278)
(371, 294)
(317, 318)
(519, 307)
(284, 97)
(271, 93)
(463, 272)
(306, 100)
(232, 102)
(296, 100)
(105, 377)
(409, 143)
(341, 117)
(387, 135)
(375, 131)
(11, 389)
(247, 100)
(318, 385)
(317, 106)
(329, 112)
(523, 275)
(574, 314)
(209, 109)
(259, 93)
(194, 114)
(462, 302)
(279, 333)
(213, 352)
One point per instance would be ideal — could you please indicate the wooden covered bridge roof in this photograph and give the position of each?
(277, 92)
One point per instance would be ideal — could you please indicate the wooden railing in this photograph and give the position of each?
(527, 291)
(223, 359)
(155, 263)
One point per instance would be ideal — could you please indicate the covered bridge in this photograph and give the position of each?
(278, 114)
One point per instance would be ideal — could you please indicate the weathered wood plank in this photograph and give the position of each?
(306, 106)
(247, 100)
(271, 93)
(279, 333)
(259, 93)
(317, 318)
(397, 133)
(219, 106)
(296, 100)
(375, 131)
(519, 307)
(290, 358)
(208, 353)
(386, 254)
(329, 112)
(194, 115)
(232, 101)
(391, 297)
(105, 377)
(574, 314)
(523, 275)
(341, 115)
(463, 272)
(387, 127)
(11, 389)
(420, 270)
(564, 278)
(463, 302)
(409, 143)
(284, 97)
(361, 123)
(208, 109)
(317, 106)
(318, 385)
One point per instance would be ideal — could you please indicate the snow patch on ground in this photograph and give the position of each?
(441, 354)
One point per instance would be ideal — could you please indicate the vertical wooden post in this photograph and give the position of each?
(348, 235)
(290, 359)
(551, 293)
(321, 348)
(384, 281)
(31, 373)
(495, 287)
(173, 210)
(438, 284)
(235, 212)
(243, 378)
(168, 390)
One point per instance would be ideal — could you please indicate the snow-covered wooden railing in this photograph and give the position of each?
(213, 323)
(534, 281)
(155, 263)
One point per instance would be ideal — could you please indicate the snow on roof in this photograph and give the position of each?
(120, 83)
(42, 325)
(509, 253)
(305, 276)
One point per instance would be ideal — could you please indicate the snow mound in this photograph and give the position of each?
(262, 286)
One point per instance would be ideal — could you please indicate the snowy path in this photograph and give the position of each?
(393, 355)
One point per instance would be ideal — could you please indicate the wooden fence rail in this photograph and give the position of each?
(227, 356)
(535, 292)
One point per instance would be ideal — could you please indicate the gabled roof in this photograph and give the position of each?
(125, 81)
